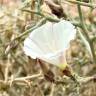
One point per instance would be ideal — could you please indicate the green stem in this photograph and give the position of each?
(85, 33)
(38, 5)
(31, 29)
(82, 3)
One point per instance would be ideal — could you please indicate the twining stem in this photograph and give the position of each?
(85, 33)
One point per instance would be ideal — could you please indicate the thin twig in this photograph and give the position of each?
(7, 69)
(81, 3)
(49, 18)
(40, 90)
(52, 90)
(31, 29)
(85, 33)
(28, 77)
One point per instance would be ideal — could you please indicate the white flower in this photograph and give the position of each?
(50, 41)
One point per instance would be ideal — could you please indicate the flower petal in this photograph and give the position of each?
(50, 41)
